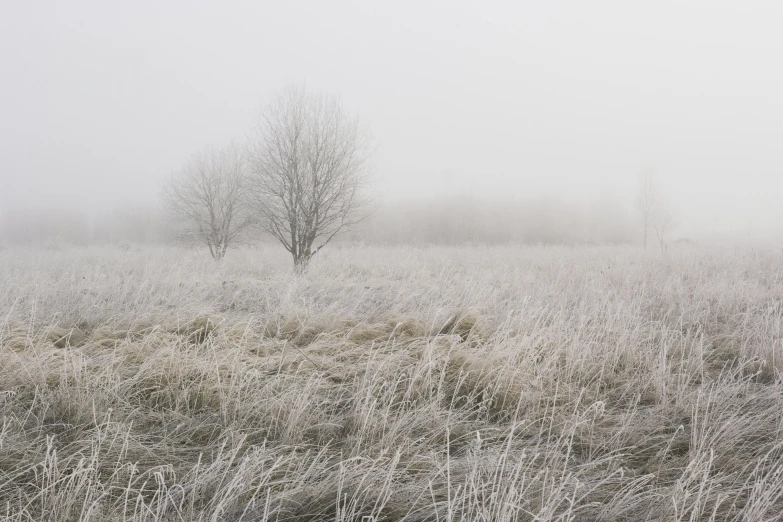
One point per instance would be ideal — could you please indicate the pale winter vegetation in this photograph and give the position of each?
(209, 197)
(446, 384)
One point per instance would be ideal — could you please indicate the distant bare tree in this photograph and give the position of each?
(309, 163)
(209, 196)
(645, 203)
(664, 219)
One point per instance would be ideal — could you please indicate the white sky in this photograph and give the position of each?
(101, 100)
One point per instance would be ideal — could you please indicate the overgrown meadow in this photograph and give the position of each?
(438, 384)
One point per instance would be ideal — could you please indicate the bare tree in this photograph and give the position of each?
(664, 219)
(309, 163)
(645, 203)
(208, 195)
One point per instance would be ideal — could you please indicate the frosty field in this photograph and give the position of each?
(438, 384)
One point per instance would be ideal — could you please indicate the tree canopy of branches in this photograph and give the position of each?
(209, 196)
(309, 163)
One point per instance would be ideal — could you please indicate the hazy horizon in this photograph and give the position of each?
(101, 102)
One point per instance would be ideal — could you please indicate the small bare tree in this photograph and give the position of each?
(309, 163)
(663, 219)
(209, 196)
(645, 203)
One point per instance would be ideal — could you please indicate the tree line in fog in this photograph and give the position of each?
(303, 179)
(443, 220)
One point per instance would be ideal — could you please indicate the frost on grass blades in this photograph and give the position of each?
(493, 384)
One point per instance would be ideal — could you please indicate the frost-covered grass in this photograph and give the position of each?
(444, 384)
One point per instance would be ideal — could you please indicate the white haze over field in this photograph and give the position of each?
(99, 101)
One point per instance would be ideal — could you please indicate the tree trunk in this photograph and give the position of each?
(218, 251)
(301, 263)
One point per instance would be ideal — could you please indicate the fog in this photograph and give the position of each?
(512, 102)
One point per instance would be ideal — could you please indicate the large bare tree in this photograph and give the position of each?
(309, 162)
(209, 196)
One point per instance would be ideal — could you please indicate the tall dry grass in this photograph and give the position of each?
(445, 384)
